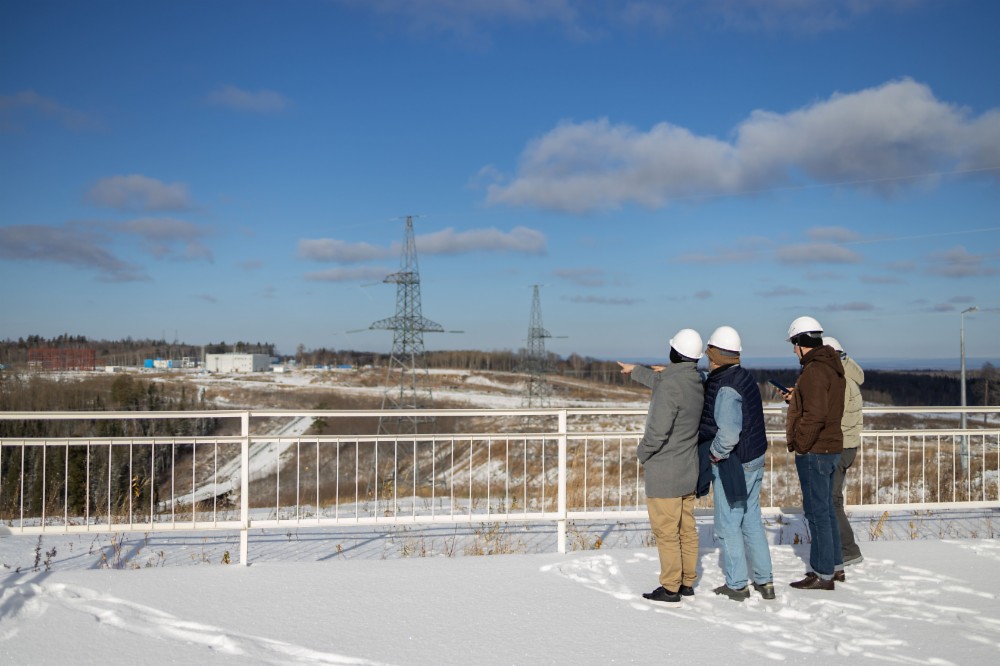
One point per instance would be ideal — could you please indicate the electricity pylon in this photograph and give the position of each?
(407, 360)
(536, 362)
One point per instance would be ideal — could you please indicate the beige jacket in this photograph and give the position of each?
(853, 421)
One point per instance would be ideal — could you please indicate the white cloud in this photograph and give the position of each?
(743, 250)
(879, 139)
(778, 292)
(797, 16)
(139, 193)
(72, 244)
(879, 279)
(30, 102)
(601, 300)
(902, 266)
(260, 101)
(833, 234)
(854, 306)
(958, 263)
(162, 235)
(338, 251)
(446, 241)
(472, 20)
(584, 277)
(816, 253)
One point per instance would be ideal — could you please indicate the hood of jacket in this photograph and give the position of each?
(852, 370)
(825, 355)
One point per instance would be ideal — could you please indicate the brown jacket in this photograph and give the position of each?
(817, 405)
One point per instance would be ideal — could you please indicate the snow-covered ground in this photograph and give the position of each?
(931, 602)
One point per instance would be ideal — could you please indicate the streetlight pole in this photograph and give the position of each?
(963, 458)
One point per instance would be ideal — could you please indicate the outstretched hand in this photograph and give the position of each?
(626, 367)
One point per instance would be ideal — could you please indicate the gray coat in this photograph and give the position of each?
(669, 448)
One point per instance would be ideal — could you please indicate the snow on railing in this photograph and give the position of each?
(502, 466)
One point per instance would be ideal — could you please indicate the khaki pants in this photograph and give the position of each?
(672, 520)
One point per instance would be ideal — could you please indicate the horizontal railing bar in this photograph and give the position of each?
(422, 439)
(131, 416)
(105, 528)
(771, 410)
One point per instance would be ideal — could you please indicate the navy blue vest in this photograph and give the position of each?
(753, 436)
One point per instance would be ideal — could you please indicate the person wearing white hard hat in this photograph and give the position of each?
(813, 432)
(732, 441)
(668, 453)
(852, 425)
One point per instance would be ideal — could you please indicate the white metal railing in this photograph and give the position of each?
(542, 465)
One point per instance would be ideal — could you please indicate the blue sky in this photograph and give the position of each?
(225, 170)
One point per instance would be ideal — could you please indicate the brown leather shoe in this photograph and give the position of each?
(813, 582)
(839, 576)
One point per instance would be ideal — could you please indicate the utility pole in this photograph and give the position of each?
(406, 364)
(536, 361)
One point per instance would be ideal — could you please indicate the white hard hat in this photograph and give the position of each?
(804, 325)
(833, 342)
(726, 337)
(687, 343)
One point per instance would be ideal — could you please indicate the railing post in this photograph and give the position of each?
(561, 524)
(244, 488)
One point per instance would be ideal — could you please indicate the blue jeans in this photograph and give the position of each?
(816, 478)
(740, 528)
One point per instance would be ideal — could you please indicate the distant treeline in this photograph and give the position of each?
(887, 387)
(913, 389)
(127, 352)
(128, 483)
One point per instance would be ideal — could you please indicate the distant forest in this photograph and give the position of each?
(915, 388)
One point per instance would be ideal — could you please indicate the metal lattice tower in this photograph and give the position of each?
(536, 361)
(406, 365)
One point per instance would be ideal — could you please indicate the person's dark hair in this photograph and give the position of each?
(809, 340)
(677, 357)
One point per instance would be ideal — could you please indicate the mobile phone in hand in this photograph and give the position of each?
(783, 389)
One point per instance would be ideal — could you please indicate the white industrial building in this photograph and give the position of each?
(237, 362)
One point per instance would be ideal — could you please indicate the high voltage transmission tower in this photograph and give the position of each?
(536, 362)
(406, 365)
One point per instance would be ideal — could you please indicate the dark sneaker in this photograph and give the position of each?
(735, 595)
(839, 576)
(662, 594)
(813, 582)
(766, 590)
(854, 560)
(685, 591)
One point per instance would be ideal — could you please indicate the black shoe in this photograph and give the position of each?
(813, 582)
(662, 594)
(766, 589)
(839, 576)
(735, 595)
(685, 591)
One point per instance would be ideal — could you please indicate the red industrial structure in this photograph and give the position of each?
(47, 358)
